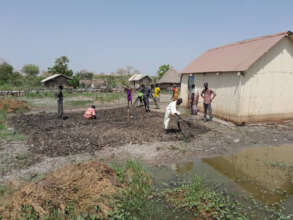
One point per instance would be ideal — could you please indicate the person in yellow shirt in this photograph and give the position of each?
(156, 91)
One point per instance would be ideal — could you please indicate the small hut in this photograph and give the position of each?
(170, 78)
(56, 80)
(138, 79)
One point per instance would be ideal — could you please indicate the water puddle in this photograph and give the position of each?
(265, 172)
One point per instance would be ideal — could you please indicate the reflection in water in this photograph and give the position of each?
(266, 172)
(182, 168)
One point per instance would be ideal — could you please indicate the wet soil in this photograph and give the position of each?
(53, 137)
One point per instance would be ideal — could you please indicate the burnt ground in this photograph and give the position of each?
(53, 137)
(51, 143)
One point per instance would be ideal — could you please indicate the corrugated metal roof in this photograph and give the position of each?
(54, 76)
(237, 56)
(171, 76)
(137, 77)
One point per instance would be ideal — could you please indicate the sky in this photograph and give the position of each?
(104, 35)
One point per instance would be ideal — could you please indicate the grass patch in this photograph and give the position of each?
(80, 103)
(6, 133)
(109, 97)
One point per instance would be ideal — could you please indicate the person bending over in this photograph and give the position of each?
(171, 110)
(90, 113)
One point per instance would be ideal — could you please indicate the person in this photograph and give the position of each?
(146, 96)
(208, 96)
(194, 100)
(129, 95)
(60, 101)
(156, 90)
(171, 110)
(175, 93)
(90, 113)
(139, 97)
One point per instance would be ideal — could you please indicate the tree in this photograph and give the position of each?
(61, 67)
(75, 81)
(163, 69)
(6, 73)
(85, 75)
(30, 70)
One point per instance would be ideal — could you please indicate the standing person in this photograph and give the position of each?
(156, 91)
(146, 96)
(60, 102)
(171, 110)
(208, 96)
(194, 100)
(175, 93)
(129, 95)
(90, 113)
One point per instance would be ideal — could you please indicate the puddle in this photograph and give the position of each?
(264, 172)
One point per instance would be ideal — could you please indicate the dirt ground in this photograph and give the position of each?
(53, 137)
(84, 183)
(52, 143)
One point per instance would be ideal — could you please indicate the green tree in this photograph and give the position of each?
(85, 75)
(75, 81)
(30, 70)
(6, 73)
(162, 70)
(61, 67)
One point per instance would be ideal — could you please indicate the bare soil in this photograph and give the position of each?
(53, 137)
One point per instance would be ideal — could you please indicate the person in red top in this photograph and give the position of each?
(208, 96)
(90, 113)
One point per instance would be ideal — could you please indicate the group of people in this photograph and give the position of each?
(208, 96)
(145, 93)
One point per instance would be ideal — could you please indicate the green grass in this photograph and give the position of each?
(6, 133)
(80, 103)
(109, 97)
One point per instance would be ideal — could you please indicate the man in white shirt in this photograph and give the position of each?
(171, 110)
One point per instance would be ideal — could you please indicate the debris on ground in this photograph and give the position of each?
(53, 137)
(85, 185)
(13, 105)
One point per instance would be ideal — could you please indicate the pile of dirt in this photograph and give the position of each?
(54, 137)
(86, 185)
(13, 105)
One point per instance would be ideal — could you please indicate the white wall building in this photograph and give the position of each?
(253, 79)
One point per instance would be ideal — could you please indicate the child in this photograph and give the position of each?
(129, 95)
(90, 113)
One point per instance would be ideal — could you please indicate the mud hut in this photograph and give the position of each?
(253, 78)
(56, 80)
(138, 79)
(170, 78)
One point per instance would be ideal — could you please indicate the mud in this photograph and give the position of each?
(52, 137)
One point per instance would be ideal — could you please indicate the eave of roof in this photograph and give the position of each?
(235, 57)
(55, 76)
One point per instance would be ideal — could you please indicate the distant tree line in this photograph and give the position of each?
(30, 76)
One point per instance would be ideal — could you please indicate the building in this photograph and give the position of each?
(138, 79)
(170, 78)
(56, 80)
(253, 78)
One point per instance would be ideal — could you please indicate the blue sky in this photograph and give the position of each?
(103, 35)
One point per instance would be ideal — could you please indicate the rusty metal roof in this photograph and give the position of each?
(237, 56)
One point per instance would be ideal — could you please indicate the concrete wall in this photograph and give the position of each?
(227, 87)
(263, 93)
(267, 92)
